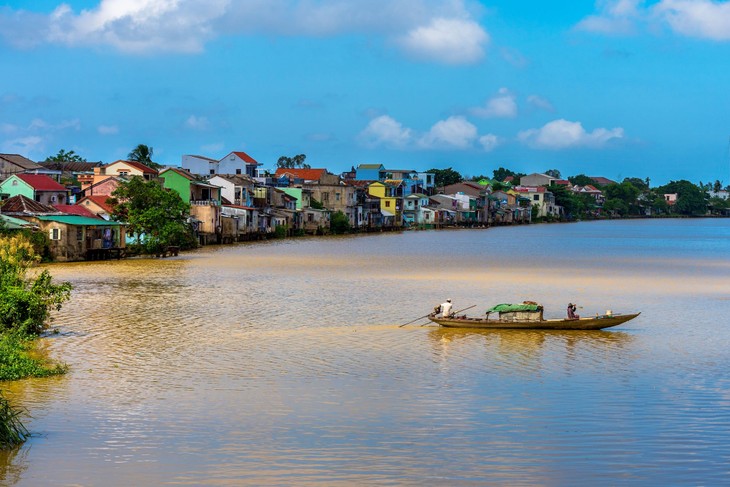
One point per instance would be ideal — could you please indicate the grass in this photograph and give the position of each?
(18, 360)
(12, 431)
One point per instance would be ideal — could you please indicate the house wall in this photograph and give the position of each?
(536, 180)
(95, 209)
(228, 189)
(14, 187)
(176, 182)
(197, 165)
(116, 169)
(208, 215)
(105, 188)
(366, 174)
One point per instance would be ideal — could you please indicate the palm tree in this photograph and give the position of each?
(143, 154)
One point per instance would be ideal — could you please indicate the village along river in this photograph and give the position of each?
(283, 363)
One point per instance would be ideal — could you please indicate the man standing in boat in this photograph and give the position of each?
(571, 312)
(446, 309)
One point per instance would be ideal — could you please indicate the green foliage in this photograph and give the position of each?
(281, 231)
(574, 205)
(339, 223)
(501, 174)
(158, 217)
(315, 204)
(581, 180)
(64, 156)
(445, 177)
(17, 360)
(621, 198)
(641, 184)
(292, 162)
(12, 431)
(143, 154)
(553, 173)
(26, 302)
(691, 200)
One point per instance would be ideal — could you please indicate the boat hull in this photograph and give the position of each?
(591, 323)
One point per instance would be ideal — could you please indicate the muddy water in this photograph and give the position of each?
(282, 363)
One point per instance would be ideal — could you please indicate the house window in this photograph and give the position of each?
(238, 171)
(15, 182)
(55, 234)
(337, 196)
(79, 234)
(387, 204)
(212, 171)
(536, 197)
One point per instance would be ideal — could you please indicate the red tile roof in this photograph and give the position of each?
(41, 182)
(246, 157)
(77, 210)
(306, 174)
(22, 204)
(100, 200)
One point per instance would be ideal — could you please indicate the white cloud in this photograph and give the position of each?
(385, 130)
(439, 30)
(8, 128)
(107, 129)
(704, 19)
(490, 142)
(454, 132)
(563, 134)
(696, 18)
(197, 123)
(540, 103)
(24, 145)
(502, 105)
(451, 41)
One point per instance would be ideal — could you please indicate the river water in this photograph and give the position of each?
(283, 363)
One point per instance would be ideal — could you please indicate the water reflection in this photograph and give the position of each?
(283, 364)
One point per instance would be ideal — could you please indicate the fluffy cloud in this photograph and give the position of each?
(23, 145)
(438, 30)
(384, 130)
(453, 133)
(563, 134)
(451, 41)
(490, 142)
(540, 103)
(503, 105)
(705, 19)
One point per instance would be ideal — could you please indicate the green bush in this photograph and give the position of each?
(12, 431)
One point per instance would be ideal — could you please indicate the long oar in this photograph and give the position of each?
(459, 311)
(417, 319)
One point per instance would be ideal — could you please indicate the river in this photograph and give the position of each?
(283, 363)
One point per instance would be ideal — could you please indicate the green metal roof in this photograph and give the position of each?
(15, 223)
(77, 220)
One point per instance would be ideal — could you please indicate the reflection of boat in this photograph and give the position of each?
(528, 316)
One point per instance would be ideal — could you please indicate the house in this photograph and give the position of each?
(71, 169)
(542, 199)
(370, 172)
(326, 188)
(16, 164)
(389, 204)
(537, 179)
(236, 162)
(199, 165)
(236, 189)
(671, 198)
(37, 187)
(204, 200)
(11, 223)
(601, 181)
(103, 187)
(590, 190)
(98, 205)
(124, 169)
(72, 237)
(414, 212)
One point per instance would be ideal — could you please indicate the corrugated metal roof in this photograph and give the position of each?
(77, 220)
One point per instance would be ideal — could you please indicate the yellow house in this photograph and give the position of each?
(388, 202)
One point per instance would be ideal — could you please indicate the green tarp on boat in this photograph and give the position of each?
(510, 308)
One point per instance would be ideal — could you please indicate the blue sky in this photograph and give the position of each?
(613, 88)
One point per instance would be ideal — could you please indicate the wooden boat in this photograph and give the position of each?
(590, 323)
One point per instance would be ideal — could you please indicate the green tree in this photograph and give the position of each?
(143, 154)
(581, 180)
(553, 173)
(445, 177)
(156, 216)
(26, 302)
(64, 156)
(639, 183)
(339, 223)
(622, 198)
(717, 186)
(297, 161)
(691, 199)
(501, 174)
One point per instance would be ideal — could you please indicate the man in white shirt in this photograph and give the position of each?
(446, 309)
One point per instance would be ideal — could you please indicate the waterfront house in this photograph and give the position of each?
(204, 200)
(389, 206)
(37, 187)
(236, 162)
(414, 210)
(236, 189)
(16, 164)
(541, 199)
(326, 188)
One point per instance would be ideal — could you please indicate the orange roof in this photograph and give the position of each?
(41, 182)
(100, 200)
(74, 210)
(246, 157)
(306, 174)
